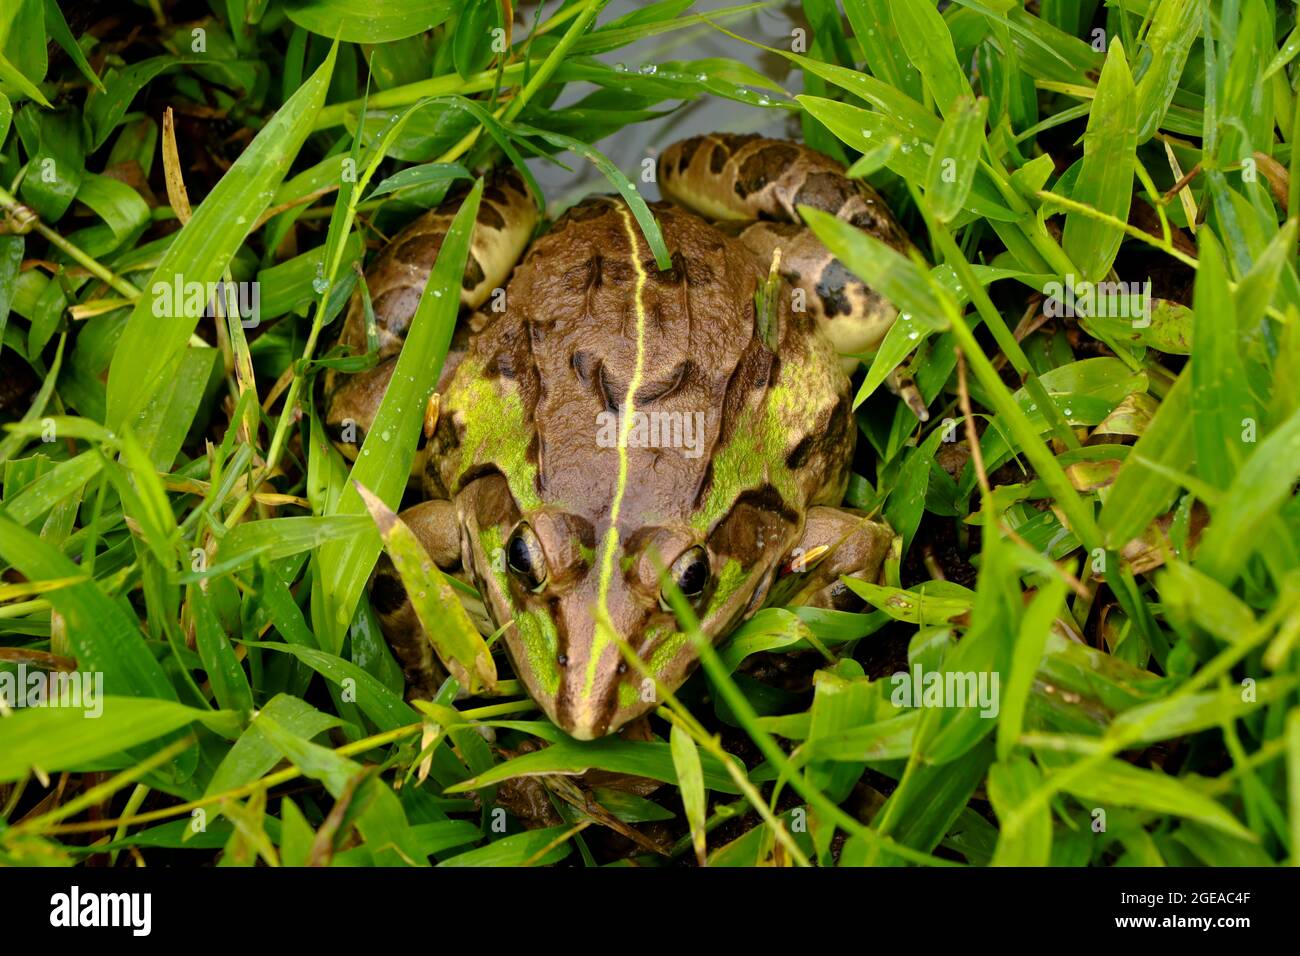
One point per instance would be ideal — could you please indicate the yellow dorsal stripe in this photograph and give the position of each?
(601, 638)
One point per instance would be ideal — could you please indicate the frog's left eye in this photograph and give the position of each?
(690, 573)
(525, 557)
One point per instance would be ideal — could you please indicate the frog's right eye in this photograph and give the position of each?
(525, 558)
(690, 573)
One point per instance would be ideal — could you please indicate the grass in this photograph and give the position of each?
(1099, 513)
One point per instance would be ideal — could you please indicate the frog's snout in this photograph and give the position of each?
(599, 690)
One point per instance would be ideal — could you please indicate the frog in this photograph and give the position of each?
(603, 428)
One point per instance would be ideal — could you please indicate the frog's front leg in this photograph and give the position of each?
(436, 526)
(836, 543)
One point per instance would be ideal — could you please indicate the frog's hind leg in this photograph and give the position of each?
(753, 186)
(836, 542)
(506, 218)
(437, 527)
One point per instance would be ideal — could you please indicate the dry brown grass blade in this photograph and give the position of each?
(176, 194)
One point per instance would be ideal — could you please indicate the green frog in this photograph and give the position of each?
(599, 420)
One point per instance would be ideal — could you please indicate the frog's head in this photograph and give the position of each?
(570, 505)
(580, 601)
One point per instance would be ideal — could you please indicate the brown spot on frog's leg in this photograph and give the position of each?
(394, 308)
(826, 190)
(593, 207)
(762, 181)
(686, 152)
(735, 142)
(833, 289)
(763, 166)
(835, 543)
(474, 273)
(490, 217)
(854, 316)
(402, 630)
(418, 248)
(718, 156)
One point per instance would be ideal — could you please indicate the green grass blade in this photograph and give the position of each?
(455, 638)
(1106, 180)
(924, 36)
(956, 158)
(1241, 523)
(56, 738)
(384, 462)
(150, 351)
(104, 637)
(1169, 40)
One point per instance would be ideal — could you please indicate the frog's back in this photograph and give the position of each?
(596, 344)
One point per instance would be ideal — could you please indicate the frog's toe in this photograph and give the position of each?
(837, 543)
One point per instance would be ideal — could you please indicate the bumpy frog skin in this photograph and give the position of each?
(615, 415)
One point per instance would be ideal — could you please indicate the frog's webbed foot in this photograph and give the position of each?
(836, 543)
(435, 525)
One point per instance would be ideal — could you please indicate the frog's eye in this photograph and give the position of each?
(690, 573)
(525, 557)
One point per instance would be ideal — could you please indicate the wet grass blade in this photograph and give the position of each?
(956, 158)
(1030, 644)
(252, 755)
(458, 643)
(653, 760)
(1140, 492)
(636, 202)
(384, 462)
(1240, 524)
(55, 738)
(1169, 39)
(924, 35)
(370, 23)
(1011, 780)
(1221, 408)
(1106, 179)
(225, 673)
(379, 814)
(533, 848)
(1116, 783)
(282, 537)
(150, 351)
(376, 701)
